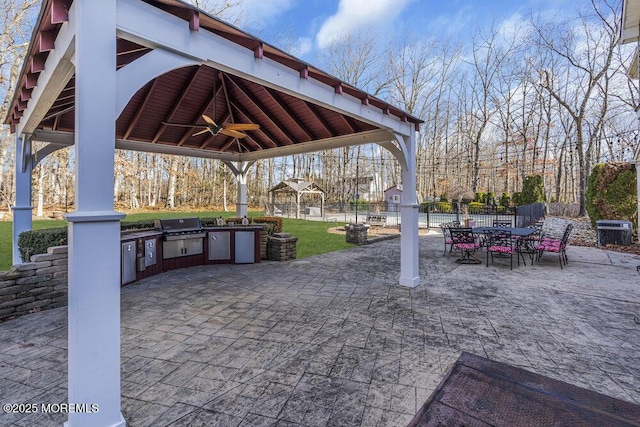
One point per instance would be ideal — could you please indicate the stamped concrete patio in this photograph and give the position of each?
(333, 341)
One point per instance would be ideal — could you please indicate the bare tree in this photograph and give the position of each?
(14, 36)
(587, 52)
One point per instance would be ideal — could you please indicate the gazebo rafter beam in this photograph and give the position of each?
(276, 98)
(136, 118)
(314, 110)
(176, 104)
(260, 106)
(187, 134)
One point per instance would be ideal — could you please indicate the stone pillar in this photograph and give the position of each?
(22, 210)
(282, 247)
(264, 242)
(94, 228)
(357, 233)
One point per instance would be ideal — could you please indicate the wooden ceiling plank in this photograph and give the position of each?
(271, 139)
(322, 120)
(56, 121)
(350, 122)
(136, 117)
(274, 95)
(176, 105)
(260, 106)
(227, 144)
(207, 141)
(202, 111)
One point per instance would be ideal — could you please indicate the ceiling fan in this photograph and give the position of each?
(229, 129)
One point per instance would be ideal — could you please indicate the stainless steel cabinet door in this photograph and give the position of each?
(150, 252)
(219, 245)
(128, 262)
(193, 246)
(245, 247)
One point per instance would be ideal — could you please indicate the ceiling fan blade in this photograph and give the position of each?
(233, 133)
(182, 125)
(201, 132)
(242, 126)
(209, 120)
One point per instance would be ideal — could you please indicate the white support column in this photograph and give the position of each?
(22, 209)
(409, 274)
(241, 194)
(240, 171)
(94, 228)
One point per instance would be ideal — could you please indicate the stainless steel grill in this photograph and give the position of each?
(182, 236)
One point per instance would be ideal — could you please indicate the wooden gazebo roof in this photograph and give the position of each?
(185, 94)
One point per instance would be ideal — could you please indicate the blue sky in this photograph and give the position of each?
(312, 24)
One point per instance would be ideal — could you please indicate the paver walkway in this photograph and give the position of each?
(332, 340)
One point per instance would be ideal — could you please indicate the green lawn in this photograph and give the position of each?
(313, 238)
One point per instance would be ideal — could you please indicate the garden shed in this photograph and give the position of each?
(287, 195)
(393, 197)
(142, 75)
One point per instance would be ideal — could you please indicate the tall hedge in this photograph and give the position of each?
(37, 241)
(612, 194)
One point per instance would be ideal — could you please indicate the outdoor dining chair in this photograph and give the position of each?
(500, 244)
(448, 243)
(465, 241)
(527, 245)
(559, 246)
(502, 223)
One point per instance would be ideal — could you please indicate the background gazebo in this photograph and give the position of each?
(295, 187)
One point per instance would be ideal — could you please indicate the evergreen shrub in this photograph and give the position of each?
(37, 241)
(612, 194)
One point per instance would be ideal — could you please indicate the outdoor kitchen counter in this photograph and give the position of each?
(235, 244)
(145, 252)
(237, 227)
(143, 234)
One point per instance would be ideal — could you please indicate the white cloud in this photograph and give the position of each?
(356, 14)
(303, 46)
(264, 10)
(515, 27)
(454, 24)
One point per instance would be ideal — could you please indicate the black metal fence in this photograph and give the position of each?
(429, 214)
(528, 214)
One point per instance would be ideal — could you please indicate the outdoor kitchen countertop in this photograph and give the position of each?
(233, 227)
(130, 235)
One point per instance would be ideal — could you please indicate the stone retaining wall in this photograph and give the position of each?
(35, 285)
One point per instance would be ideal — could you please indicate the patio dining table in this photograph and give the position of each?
(523, 243)
(515, 231)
